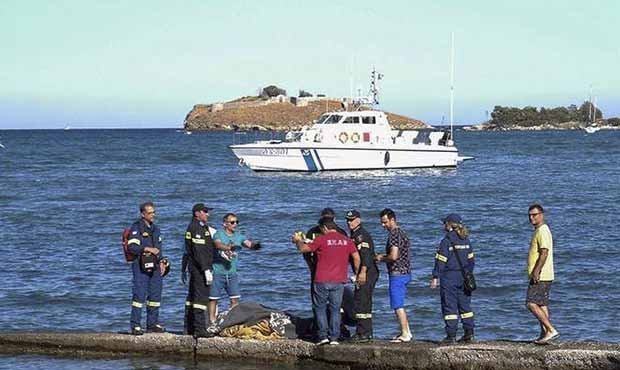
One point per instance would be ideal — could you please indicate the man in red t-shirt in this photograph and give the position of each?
(332, 251)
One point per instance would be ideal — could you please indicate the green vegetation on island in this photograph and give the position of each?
(558, 118)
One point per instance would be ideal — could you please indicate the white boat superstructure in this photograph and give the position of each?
(352, 140)
(357, 140)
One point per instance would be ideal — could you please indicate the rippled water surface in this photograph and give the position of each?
(65, 197)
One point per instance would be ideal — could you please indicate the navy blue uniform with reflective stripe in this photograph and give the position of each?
(363, 294)
(147, 286)
(455, 303)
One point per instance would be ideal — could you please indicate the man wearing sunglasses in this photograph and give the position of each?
(228, 242)
(540, 273)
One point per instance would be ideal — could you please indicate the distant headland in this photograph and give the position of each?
(274, 110)
(559, 118)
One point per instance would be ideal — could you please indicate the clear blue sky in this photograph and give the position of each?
(146, 63)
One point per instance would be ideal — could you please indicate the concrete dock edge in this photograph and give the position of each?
(382, 355)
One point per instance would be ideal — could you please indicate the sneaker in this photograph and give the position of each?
(333, 343)
(156, 329)
(322, 342)
(137, 331)
(202, 334)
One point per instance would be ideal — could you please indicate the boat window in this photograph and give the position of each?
(369, 120)
(322, 118)
(351, 120)
(334, 118)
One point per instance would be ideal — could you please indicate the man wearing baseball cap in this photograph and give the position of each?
(366, 279)
(199, 248)
(454, 257)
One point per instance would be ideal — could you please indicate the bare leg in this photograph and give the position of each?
(401, 315)
(212, 306)
(543, 332)
(542, 316)
(234, 302)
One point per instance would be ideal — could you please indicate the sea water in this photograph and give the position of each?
(65, 197)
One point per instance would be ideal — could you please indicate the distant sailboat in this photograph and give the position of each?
(591, 129)
(67, 128)
(591, 116)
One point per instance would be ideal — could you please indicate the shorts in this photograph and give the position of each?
(228, 283)
(538, 293)
(398, 290)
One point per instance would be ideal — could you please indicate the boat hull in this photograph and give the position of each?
(315, 159)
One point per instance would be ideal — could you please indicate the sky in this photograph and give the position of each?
(137, 64)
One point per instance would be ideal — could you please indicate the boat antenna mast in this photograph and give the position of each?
(374, 91)
(452, 87)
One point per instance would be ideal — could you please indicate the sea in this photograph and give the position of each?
(67, 195)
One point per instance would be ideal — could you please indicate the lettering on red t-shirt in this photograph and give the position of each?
(332, 251)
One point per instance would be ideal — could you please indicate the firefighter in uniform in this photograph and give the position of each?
(199, 248)
(367, 278)
(188, 324)
(455, 302)
(147, 268)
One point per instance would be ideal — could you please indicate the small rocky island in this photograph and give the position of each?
(274, 110)
(559, 118)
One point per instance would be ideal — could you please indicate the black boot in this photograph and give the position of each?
(188, 324)
(449, 339)
(468, 337)
(156, 329)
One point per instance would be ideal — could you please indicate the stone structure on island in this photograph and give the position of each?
(278, 112)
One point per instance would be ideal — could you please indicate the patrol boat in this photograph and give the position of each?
(351, 140)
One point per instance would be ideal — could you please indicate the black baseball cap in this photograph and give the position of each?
(328, 212)
(352, 215)
(200, 207)
(452, 217)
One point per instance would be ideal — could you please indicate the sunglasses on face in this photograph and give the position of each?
(233, 222)
(533, 214)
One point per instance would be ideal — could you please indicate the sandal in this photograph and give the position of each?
(401, 339)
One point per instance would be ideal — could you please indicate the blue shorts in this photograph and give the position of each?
(228, 283)
(398, 290)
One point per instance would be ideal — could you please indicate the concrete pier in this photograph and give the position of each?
(376, 355)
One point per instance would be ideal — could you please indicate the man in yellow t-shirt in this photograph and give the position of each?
(540, 273)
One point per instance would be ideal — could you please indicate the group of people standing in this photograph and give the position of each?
(211, 259)
(331, 250)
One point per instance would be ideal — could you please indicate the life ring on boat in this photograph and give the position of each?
(343, 137)
(355, 137)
